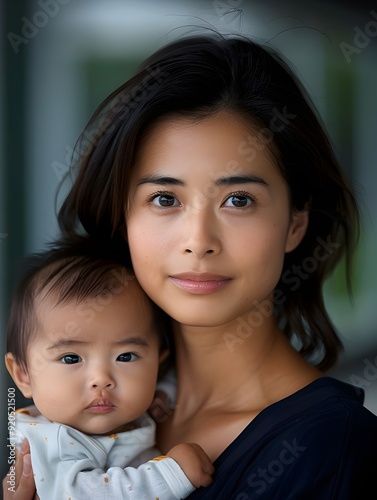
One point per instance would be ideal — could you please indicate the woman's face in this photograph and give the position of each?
(209, 219)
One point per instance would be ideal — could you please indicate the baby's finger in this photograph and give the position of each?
(159, 410)
(205, 479)
(208, 468)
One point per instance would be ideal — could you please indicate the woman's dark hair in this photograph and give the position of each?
(197, 77)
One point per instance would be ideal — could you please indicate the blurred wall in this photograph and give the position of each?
(60, 58)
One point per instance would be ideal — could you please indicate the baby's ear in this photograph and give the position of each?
(164, 354)
(19, 374)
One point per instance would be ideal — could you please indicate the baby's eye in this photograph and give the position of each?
(239, 201)
(165, 200)
(127, 357)
(71, 359)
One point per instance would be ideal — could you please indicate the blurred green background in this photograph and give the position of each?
(59, 59)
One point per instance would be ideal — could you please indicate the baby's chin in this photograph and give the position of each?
(121, 428)
(103, 430)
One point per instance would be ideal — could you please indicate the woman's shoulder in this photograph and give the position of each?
(320, 443)
(323, 406)
(325, 392)
(317, 443)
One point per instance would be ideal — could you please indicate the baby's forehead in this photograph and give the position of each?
(79, 279)
(61, 293)
(122, 313)
(122, 287)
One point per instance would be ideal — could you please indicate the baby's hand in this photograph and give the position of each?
(194, 462)
(160, 409)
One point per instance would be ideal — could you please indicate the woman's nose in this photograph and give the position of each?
(200, 235)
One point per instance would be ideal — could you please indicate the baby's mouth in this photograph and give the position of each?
(100, 405)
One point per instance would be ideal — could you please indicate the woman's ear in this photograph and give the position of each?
(297, 229)
(19, 374)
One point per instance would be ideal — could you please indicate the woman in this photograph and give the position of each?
(214, 169)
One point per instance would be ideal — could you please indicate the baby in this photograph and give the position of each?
(86, 343)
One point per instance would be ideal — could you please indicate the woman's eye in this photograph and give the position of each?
(238, 201)
(127, 357)
(165, 200)
(70, 359)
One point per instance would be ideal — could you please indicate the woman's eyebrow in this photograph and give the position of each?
(163, 180)
(240, 179)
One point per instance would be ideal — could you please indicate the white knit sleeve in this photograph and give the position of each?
(69, 465)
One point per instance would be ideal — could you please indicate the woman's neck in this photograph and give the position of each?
(226, 376)
(237, 367)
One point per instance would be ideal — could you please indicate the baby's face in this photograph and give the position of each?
(93, 365)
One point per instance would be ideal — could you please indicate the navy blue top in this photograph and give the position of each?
(320, 443)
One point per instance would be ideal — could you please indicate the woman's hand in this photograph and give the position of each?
(18, 484)
(160, 409)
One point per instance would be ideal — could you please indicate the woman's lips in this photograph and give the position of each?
(200, 284)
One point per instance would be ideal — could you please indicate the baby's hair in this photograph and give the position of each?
(197, 77)
(79, 270)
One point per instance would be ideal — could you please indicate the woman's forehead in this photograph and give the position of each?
(225, 135)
